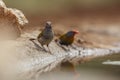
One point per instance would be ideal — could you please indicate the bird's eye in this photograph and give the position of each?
(49, 27)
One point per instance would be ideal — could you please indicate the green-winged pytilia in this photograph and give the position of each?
(67, 39)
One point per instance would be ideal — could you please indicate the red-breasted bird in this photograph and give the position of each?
(46, 36)
(68, 38)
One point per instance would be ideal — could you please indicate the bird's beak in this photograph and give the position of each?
(76, 32)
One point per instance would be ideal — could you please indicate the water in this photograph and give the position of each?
(89, 70)
(95, 70)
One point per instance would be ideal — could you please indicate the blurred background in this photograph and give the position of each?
(97, 20)
(77, 13)
(65, 6)
(100, 10)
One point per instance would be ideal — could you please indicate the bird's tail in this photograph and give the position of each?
(31, 39)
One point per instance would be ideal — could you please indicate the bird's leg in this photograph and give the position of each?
(36, 45)
(43, 48)
(65, 48)
(49, 49)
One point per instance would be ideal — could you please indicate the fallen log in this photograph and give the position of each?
(31, 61)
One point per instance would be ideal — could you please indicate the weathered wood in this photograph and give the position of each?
(31, 61)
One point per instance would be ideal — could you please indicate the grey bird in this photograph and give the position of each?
(46, 36)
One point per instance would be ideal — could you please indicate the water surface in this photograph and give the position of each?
(90, 70)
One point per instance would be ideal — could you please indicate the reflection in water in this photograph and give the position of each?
(112, 63)
(92, 70)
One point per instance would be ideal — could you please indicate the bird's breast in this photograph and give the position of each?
(48, 35)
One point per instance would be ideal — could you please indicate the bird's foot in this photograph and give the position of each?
(62, 46)
(65, 48)
(43, 49)
(39, 49)
(50, 52)
(46, 50)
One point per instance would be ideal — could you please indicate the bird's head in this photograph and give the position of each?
(48, 26)
(72, 33)
(48, 23)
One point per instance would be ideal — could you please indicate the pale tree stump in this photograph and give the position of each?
(11, 21)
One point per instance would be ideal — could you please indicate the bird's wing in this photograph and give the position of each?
(41, 34)
(67, 40)
(62, 37)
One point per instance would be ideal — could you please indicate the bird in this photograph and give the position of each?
(67, 39)
(46, 36)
